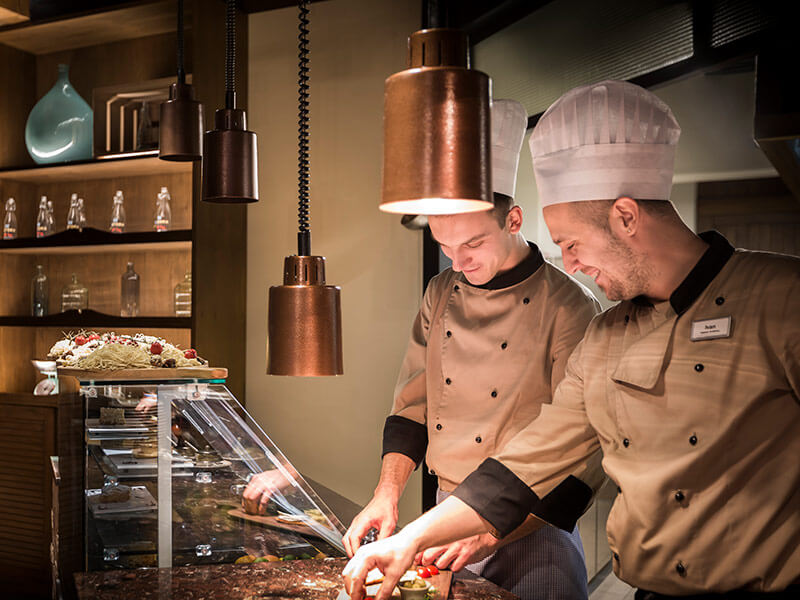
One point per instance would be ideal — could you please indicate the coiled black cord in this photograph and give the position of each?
(181, 71)
(304, 233)
(230, 55)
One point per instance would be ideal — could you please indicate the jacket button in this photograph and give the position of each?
(448, 381)
(720, 301)
(456, 288)
(504, 345)
(616, 557)
(478, 439)
(626, 442)
(619, 490)
(526, 300)
(693, 440)
(627, 318)
(699, 367)
(449, 333)
(438, 427)
(680, 569)
(431, 471)
(679, 497)
(494, 393)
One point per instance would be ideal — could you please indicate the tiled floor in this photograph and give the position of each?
(606, 586)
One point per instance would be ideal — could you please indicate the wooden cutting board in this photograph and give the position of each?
(145, 374)
(272, 521)
(441, 582)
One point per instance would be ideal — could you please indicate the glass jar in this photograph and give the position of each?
(118, 214)
(81, 215)
(74, 296)
(183, 296)
(40, 295)
(163, 211)
(51, 220)
(129, 292)
(10, 220)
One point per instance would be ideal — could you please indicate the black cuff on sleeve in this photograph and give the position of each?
(406, 437)
(564, 505)
(497, 495)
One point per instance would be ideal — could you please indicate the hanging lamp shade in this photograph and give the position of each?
(305, 321)
(180, 129)
(230, 159)
(436, 157)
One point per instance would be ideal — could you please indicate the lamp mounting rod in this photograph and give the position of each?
(230, 55)
(304, 231)
(181, 70)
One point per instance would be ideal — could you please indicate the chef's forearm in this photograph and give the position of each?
(395, 471)
(447, 522)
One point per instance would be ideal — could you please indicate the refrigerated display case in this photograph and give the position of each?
(166, 463)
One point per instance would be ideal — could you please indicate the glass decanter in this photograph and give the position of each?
(183, 296)
(74, 216)
(39, 293)
(118, 214)
(42, 219)
(74, 296)
(10, 220)
(163, 211)
(130, 292)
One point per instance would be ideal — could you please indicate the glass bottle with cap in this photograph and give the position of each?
(163, 211)
(39, 293)
(51, 220)
(42, 219)
(129, 292)
(183, 296)
(81, 214)
(74, 296)
(73, 216)
(10, 220)
(118, 214)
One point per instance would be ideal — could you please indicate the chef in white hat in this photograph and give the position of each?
(689, 388)
(487, 349)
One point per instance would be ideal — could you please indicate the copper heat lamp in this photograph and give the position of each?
(305, 314)
(180, 131)
(230, 158)
(436, 120)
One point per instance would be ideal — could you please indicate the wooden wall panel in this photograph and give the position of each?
(16, 101)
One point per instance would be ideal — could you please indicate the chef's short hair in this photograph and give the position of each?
(502, 205)
(595, 212)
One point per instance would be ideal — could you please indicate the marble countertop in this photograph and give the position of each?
(300, 579)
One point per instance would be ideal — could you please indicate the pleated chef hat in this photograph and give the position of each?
(603, 141)
(509, 122)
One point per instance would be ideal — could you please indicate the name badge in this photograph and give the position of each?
(711, 329)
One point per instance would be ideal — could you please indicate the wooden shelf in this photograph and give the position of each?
(91, 318)
(92, 240)
(125, 22)
(125, 165)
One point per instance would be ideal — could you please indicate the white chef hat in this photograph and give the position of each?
(509, 122)
(603, 141)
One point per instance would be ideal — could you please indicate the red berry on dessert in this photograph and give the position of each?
(155, 348)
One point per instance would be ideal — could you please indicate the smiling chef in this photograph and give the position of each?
(688, 388)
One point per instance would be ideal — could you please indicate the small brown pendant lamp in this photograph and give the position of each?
(436, 120)
(180, 132)
(305, 314)
(230, 169)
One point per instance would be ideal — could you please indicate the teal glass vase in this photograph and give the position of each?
(60, 126)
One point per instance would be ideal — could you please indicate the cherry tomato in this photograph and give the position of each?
(190, 353)
(433, 570)
(423, 572)
(80, 340)
(155, 348)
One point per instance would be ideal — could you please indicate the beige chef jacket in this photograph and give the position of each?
(694, 405)
(481, 361)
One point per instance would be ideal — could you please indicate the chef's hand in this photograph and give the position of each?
(459, 554)
(261, 488)
(392, 556)
(380, 513)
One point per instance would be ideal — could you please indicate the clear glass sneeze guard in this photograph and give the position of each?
(166, 466)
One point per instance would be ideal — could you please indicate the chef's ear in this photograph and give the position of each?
(624, 216)
(514, 220)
